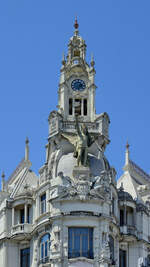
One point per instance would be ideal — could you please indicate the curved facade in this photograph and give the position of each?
(74, 214)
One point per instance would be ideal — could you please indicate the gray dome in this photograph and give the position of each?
(67, 162)
(123, 195)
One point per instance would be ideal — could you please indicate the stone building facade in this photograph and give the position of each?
(75, 213)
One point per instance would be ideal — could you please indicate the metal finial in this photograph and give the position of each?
(27, 149)
(127, 145)
(76, 25)
(27, 141)
(3, 175)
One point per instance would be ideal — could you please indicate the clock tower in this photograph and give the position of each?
(76, 95)
(77, 86)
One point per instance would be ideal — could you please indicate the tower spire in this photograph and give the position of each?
(3, 181)
(76, 26)
(27, 149)
(127, 154)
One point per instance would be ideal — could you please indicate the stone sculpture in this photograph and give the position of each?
(81, 142)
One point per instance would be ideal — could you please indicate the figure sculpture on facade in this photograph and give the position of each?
(84, 141)
(81, 142)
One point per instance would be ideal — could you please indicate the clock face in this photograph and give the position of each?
(78, 85)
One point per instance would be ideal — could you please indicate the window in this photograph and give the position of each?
(25, 257)
(43, 203)
(121, 217)
(111, 245)
(85, 107)
(22, 215)
(44, 248)
(70, 106)
(76, 53)
(113, 205)
(80, 242)
(122, 258)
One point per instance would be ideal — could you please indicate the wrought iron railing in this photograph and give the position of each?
(77, 253)
(44, 260)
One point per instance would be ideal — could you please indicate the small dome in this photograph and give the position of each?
(123, 195)
(67, 162)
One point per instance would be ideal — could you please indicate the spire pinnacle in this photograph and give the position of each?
(3, 181)
(76, 25)
(127, 153)
(127, 145)
(63, 59)
(92, 60)
(3, 174)
(27, 149)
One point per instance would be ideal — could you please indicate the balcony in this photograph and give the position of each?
(21, 228)
(128, 230)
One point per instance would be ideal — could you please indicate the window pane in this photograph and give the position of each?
(43, 197)
(45, 241)
(45, 249)
(42, 251)
(70, 106)
(122, 258)
(22, 216)
(25, 257)
(43, 203)
(80, 242)
(85, 107)
(111, 244)
(28, 215)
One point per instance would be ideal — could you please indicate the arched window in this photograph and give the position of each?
(111, 245)
(44, 248)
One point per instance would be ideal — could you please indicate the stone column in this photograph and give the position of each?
(25, 213)
(73, 107)
(82, 107)
(13, 216)
(4, 258)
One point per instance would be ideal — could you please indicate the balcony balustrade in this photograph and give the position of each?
(76, 253)
(128, 230)
(21, 228)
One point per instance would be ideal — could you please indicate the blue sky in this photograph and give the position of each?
(34, 34)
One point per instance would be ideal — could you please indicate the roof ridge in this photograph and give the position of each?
(16, 171)
(142, 172)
